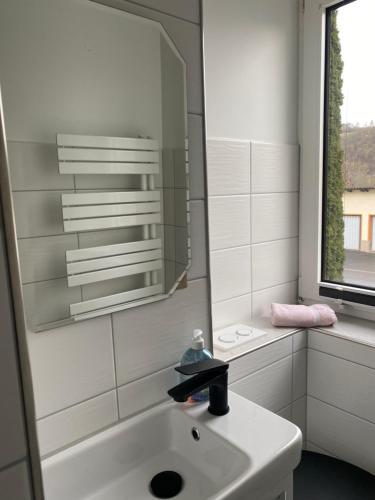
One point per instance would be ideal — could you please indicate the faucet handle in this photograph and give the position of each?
(208, 365)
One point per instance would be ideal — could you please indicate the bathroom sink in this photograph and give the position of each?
(224, 457)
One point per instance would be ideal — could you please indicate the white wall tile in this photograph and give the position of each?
(112, 181)
(299, 414)
(286, 413)
(254, 361)
(345, 436)
(108, 287)
(352, 351)
(230, 273)
(198, 240)
(48, 301)
(14, 483)
(44, 258)
(38, 213)
(229, 312)
(299, 373)
(78, 421)
(71, 364)
(229, 220)
(274, 168)
(146, 391)
(181, 238)
(228, 167)
(109, 237)
(300, 340)
(270, 387)
(343, 384)
(152, 337)
(196, 158)
(34, 165)
(274, 263)
(274, 216)
(283, 294)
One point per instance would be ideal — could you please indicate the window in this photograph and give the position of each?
(337, 246)
(349, 145)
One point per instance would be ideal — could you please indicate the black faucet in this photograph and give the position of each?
(211, 373)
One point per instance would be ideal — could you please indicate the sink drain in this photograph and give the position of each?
(166, 484)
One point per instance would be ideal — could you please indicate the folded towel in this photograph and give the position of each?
(304, 316)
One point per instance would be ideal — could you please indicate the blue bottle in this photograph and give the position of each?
(196, 352)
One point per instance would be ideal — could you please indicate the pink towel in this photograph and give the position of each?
(298, 315)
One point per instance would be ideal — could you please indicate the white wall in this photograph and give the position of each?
(70, 66)
(251, 68)
(88, 375)
(251, 53)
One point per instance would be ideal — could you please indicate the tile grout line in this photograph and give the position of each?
(342, 410)
(274, 286)
(273, 241)
(13, 464)
(292, 381)
(255, 291)
(263, 367)
(64, 277)
(148, 375)
(343, 359)
(115, 368)
(249, 193)
(251, 248)
(86, 400)
(287, 238)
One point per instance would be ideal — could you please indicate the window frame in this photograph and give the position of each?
(347, 298)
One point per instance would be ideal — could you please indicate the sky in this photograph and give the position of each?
(356, 22)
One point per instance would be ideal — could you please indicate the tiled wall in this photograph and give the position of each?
(341, 399)
(253, 227)
(275, 377)
(88, 375)
(14, 460)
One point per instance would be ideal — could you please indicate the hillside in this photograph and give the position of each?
(358, 144)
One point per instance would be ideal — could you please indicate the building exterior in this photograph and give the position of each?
(359, 217)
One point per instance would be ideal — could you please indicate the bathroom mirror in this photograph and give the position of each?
(95, 116)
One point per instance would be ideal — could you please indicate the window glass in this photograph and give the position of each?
(348, 254)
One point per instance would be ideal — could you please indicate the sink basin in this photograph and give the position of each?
(217, 457)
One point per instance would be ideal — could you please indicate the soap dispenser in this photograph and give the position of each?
(197, 352)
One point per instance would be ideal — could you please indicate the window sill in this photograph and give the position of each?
(361, 331)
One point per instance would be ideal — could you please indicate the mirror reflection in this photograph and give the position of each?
(95, 114)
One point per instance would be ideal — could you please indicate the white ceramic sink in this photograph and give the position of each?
(237, 454)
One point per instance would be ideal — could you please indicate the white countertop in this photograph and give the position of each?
(347, 327)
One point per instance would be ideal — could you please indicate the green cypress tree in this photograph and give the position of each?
(334, 230)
